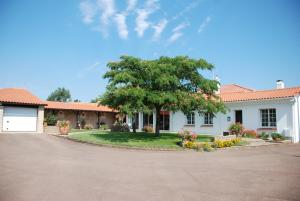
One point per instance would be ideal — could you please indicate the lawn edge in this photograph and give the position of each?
(119, 146)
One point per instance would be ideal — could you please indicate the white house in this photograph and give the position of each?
(275, 110)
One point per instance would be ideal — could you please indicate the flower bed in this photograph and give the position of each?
(188, 140)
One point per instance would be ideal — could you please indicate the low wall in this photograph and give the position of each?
(51, 130)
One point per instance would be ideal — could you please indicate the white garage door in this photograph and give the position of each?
(22, 119)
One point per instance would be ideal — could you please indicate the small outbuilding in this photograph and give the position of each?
(20, 111)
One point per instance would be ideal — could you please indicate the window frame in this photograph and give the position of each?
(190, 119)
(208, 119)
(268, 118)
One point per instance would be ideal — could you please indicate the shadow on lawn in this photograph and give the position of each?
(142, 137)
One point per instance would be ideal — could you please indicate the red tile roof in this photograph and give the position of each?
(19, 96)
(231, 88)
(260, 95)
(77, 106)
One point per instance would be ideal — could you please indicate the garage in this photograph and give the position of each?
(20, 119)
(20, 111)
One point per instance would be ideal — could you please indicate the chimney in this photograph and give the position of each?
(279, 84)
(219, 87)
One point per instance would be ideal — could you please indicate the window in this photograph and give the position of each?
(190, 119)
(148, 119)
(268, 117)
(208, 119)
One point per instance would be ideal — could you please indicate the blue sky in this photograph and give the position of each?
(49, 44)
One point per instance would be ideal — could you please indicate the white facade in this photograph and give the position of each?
(287, 118)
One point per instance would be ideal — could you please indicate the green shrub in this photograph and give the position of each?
(250, 134)
(51, 119)
(148, 129)
(207, 147)
(88, 127)
(120, 127)
(264, 136)
(236, 129)
(277, 136)
(104, 127)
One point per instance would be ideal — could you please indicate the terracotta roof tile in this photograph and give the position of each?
(260, 95)
(19, 96)
(77, 106)
(231, 88)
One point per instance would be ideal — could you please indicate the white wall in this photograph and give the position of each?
(251, 117)
(296, 119)
(287, 116)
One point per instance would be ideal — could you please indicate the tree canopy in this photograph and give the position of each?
(169, 83)
(60, 94)
(96, 99)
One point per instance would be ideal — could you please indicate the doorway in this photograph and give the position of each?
(239, 116)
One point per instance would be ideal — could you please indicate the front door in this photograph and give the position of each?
(239, 116)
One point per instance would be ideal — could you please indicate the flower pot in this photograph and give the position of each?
(64, 130)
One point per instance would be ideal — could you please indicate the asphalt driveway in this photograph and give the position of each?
(46, 168)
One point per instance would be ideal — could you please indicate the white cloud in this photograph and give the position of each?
(174, 37)
(88, 11)
(189, 7)
(158, 29)
(120, 19)
(142, 22)
(181, 26)
(204, 24)
(108, 10)
(177, 32)
(131, 5)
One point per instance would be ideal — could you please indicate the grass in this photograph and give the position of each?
(140, 140)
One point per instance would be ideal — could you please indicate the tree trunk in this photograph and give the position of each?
(133, 124)
(157, 126)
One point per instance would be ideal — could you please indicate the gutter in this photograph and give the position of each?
(258, 100)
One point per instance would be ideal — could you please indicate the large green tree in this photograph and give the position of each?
(167, 83)
(60, 94)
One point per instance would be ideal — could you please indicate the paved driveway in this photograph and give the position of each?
(46, 168)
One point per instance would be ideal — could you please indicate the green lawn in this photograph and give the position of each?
(141, 140)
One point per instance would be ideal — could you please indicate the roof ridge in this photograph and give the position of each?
(241, 86)
(14, 88)
(286, 88)
(70, 102)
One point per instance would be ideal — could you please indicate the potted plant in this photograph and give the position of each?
(236, 129)
(277, 137)
(64, 127)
